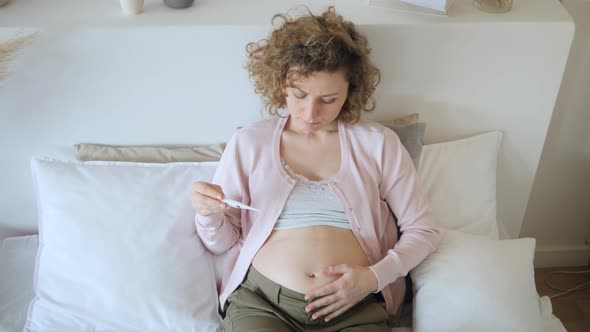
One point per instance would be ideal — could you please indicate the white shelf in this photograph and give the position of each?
(64, 13)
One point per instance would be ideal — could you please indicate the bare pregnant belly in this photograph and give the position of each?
(295, 257)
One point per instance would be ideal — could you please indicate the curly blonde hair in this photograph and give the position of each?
(307, 44)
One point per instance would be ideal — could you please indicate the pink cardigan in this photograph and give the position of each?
(376, 178)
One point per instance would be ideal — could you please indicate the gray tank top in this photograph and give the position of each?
(311, 203)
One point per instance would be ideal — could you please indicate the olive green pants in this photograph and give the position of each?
(259, 304)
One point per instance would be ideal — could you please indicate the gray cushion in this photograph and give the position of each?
(412, 138)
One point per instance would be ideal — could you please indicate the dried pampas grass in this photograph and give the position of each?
(8, 50)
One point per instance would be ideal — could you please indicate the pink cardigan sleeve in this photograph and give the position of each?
(401, 189)
(219, 232)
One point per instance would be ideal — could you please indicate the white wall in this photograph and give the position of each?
(558, 213)
(176, 77)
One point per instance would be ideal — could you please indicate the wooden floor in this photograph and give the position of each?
(572, 309)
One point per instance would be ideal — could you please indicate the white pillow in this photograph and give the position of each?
(471, 283)
(460, 178)
(118, 249)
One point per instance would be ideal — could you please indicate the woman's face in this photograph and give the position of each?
(314, 102)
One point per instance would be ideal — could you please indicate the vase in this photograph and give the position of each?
(131, 7)
(179, 4)
(493, 6)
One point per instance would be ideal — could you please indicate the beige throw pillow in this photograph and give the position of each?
(406, 126)
(148, 154)
(405, 120)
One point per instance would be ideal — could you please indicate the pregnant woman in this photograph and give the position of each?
(323, 252)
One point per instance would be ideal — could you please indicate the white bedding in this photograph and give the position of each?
(17, 262)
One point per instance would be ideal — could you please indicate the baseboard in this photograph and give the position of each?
(562, 256)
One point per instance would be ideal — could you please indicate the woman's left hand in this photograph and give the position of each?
(354, 284)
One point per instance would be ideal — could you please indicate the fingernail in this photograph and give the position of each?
(327, 320)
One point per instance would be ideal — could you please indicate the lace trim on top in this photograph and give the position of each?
(311, 203)
(307, 183)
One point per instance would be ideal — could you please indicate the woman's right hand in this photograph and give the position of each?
(206, 198)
